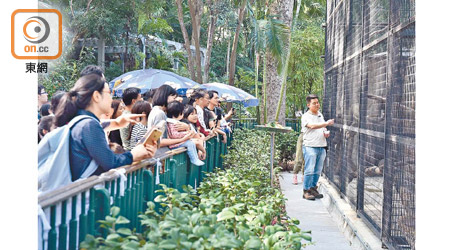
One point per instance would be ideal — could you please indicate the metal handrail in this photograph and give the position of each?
(65, 192)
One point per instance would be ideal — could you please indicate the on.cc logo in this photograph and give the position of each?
(36, 34)
(42, 24)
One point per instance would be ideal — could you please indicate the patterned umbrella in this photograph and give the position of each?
(146, 79)
(232, 94)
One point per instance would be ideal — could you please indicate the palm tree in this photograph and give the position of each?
(268, 38)
(286, 63)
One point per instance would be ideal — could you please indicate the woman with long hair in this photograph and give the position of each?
(117, 109)
(91, 96)
(200, 99)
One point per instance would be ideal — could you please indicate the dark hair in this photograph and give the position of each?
(174, 109)
(149, 94)
(138, 108)
(56, 98)
(92, 69)
(141, 107)
(197, 94)
(79, 97)
(188, 109)
(129, 94)
(211, 93)
(115, 106)
(161, 95)
(40, 87)
(311, 97)
(45, 109)
(44, 124)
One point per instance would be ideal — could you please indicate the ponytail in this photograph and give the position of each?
(197, 94)
(79, 97)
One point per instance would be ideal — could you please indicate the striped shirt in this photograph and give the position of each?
(137, 133)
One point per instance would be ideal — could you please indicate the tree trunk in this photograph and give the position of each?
(193, 9)
(264, 106)
(258, 120)
(228, 58)
(211, 30)
(235, 44)
(187, 44)
(101, 52)
(286, 64)
(284, 9)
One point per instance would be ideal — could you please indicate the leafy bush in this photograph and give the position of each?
(235, 208)
(66, 72)
(286, 143)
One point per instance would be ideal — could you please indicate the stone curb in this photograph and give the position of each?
(354, 228)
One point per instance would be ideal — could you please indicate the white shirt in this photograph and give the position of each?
(313, 137)
(200, 117)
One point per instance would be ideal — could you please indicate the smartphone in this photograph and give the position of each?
(152, 136)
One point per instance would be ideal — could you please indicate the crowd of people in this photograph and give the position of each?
(112, 132)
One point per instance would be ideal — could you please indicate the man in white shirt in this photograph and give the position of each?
(314, 144)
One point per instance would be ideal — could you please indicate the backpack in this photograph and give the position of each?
(53, 158)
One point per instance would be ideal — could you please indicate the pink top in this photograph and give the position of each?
(174, 134)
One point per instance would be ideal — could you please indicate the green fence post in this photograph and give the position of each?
(133, 200)
(216, 154)
(52, 236)
(103, 208)
(91, 213)
(140, 195)
(62, 243)
(83, 218)
(73, 225)
(149, 186)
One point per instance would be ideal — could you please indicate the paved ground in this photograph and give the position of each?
(312, 216)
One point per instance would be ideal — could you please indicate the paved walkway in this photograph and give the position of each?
(312, 216)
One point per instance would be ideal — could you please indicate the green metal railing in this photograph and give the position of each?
(294, 123)
(72, 212)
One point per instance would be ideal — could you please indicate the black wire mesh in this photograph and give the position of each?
(369, 90)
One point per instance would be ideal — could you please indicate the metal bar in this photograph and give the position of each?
(395, 138)
(73, 225)
(272, 141)
(52, 236)
(62, 235)
(83, 218)
(370, 45)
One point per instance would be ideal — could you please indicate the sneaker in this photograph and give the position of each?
(308, 195)
(316, 193)
(198, 162)
(295, 181)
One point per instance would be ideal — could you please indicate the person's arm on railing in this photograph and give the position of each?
(90, 139)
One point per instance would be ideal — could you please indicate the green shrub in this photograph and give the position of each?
(235, 208)
(286, 143)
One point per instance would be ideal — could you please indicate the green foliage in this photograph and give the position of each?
(235, 208)
(305, 73)
(286, 144)
(113, 70)
(66, 72)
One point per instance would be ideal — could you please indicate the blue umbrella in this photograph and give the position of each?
(232, 94)
(146, 79)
